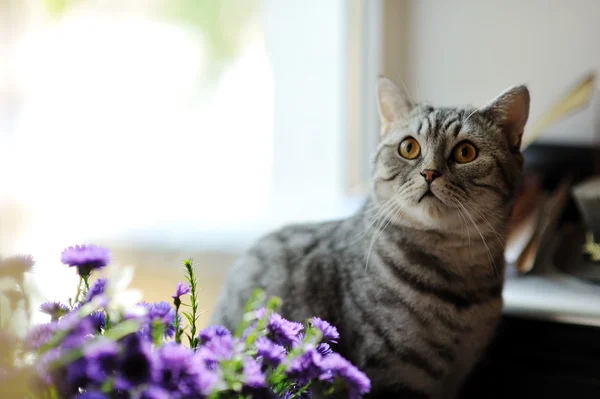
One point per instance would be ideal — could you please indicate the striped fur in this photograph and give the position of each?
(413, 285)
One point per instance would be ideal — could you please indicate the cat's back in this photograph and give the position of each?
(293, 263)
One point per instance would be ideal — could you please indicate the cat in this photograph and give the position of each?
(413, 281)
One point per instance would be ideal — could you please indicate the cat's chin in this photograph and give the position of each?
(427, 195)
(432, 212)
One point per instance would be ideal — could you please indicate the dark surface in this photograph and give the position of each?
(536, 359)
(556, 161)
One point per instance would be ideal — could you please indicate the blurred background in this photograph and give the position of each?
(168, 129)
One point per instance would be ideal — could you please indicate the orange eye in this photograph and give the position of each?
(409, 148)
(465, 152)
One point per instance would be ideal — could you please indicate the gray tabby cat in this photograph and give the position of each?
(413, 281)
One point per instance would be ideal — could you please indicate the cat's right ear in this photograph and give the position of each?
(392, 103)
(511, 111)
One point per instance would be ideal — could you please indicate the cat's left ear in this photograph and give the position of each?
(393, 105)
(511, 111)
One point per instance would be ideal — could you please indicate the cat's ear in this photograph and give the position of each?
(392, 103)
(511, 110)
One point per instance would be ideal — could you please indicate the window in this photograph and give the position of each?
(179, 123)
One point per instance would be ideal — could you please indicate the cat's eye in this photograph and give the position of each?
(409, 148)
(465, 152)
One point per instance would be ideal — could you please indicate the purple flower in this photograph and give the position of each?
(211, 332)
(181, 290)
(56, 310)
(183, 373)
(282, 331)
(209, 360)
(336, 366)
(39, 335)
(44, 366)
(98, 319)
(324, 349)
(220, 346)
(208, 381)
(260, 313)
(70, 320)
(137, 365)
(155, 393)
(101, 357)
(86, 258)
(306, 366)
(253, 376)
(293, 393)
(178, 370)
(269, 351)
(208, 371)
(330, 333)
(96, 289)
(66, 380)
(79, 330)
(91, 395)
(76, 376)
(162, 312)
(15, 266)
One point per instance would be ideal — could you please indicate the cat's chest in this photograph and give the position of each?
(426, 352)
(430, 314)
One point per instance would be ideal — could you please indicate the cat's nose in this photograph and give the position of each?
(430, 175)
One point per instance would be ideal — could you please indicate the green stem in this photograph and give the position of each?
(188, 264)
(106, 322)
(177, 325)
(301, 390)
(157, 332)
(78, 290)
(107, 386)
(257, 298)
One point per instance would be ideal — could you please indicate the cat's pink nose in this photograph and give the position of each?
(430, 175)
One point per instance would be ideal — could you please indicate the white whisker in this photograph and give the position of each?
(375, 237)
(464, 222)
(381, 211)
(492, 229)
(471, 114)
(487, 249)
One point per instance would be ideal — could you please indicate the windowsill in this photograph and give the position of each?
(553, 296)
(191, 235)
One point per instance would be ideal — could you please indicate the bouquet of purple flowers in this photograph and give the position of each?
(106, 344)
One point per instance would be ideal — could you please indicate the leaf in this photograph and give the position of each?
(189, 319)
(157, 329)
(122, 329)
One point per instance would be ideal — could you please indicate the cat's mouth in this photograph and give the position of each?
(427, 193)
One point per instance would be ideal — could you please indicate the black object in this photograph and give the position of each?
(537, 359)
(554, 162)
